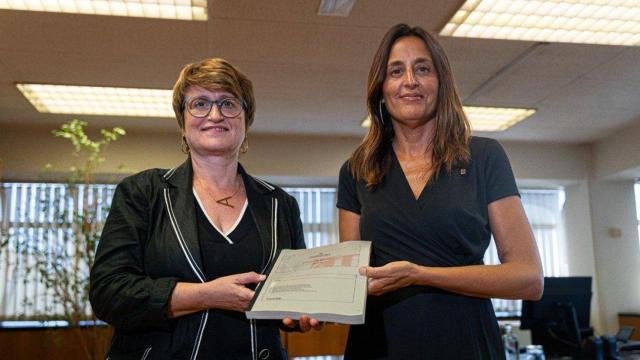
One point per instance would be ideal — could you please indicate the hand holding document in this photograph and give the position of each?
(322, 282)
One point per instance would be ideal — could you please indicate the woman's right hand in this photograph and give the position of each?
(390, 277)
(231, 292)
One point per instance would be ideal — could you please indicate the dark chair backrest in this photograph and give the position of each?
(625, 333)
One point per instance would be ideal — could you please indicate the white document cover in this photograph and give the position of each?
(322, 282)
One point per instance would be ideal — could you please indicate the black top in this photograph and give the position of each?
(220, 257)
(228, 333)
(448, 225)
(150, 242)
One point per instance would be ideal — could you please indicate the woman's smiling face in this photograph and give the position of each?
(214, 133)
(410, 87)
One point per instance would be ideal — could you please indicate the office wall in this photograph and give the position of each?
(617, 255)
(25, 150)
(316, 160)
(311, 159)
(548, 165)
(616, 166)
(618, 155)
(579, 246)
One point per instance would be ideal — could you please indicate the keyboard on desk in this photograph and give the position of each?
(629, 346)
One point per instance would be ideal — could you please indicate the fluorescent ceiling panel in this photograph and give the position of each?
(610, 22)
(484, 118)
(160, 9)
(335, 7)
(90, 100)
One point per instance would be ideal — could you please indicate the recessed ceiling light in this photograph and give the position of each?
(335, 7)
(91, 100)
(160, 9)
(613, 22)
(484, 118)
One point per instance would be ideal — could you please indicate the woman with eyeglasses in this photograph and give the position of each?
(430, 196)
(183, 249)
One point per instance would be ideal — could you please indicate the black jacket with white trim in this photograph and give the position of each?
(150, 242)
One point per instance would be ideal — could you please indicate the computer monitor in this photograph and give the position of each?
(559, 320)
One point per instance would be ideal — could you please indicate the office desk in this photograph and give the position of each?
(635, 355)
(625, 356)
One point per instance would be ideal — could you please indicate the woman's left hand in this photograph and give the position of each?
(304, 324)
(390, 277)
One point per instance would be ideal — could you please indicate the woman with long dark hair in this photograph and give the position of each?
(430, 196)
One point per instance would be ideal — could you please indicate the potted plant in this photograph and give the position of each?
(61, 255)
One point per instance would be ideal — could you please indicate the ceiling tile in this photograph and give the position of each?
(380, 14)
(596, 95)
(309, 71)
(623, 68)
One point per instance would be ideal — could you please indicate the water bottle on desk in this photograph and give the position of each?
(510, 341)
(534, 352)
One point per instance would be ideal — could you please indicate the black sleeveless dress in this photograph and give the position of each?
(447, 225)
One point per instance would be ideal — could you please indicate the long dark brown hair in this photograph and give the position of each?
(371, 161)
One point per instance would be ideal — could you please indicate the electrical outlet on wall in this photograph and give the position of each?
(614, 232)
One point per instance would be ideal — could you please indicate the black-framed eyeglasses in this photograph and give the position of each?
(200, 107)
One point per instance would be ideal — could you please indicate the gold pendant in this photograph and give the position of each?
(225, 201)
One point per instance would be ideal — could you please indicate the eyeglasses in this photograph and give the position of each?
(201, 106)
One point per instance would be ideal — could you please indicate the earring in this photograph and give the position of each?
(380, 109)
(184, 147)
(244, 147)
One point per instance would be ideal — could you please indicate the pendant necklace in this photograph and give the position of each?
(225, 200)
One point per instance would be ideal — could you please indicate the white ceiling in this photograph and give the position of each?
(310, 71)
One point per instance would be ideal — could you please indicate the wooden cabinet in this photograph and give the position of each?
(331, 340)
(630, 319)
(63, 344)
(53, 343)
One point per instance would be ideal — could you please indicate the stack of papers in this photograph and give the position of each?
(322, 282)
